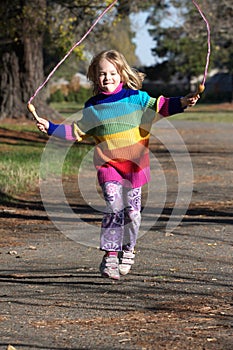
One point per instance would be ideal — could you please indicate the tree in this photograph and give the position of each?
(25, 25)
(181, 38)
(121, 28)
(29, 30)
(21, 63)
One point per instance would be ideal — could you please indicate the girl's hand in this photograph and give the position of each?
(189, 100)
(43, 125)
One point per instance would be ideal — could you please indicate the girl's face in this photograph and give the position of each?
(108, 76)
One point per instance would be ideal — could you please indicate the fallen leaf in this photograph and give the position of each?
(12, 252)
(10, 347)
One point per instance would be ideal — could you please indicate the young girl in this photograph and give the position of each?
(114, 117)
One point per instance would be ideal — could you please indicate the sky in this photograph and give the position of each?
(144, 43)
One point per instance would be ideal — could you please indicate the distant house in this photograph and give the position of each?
(218, 86)
(220, 83)
(66, 86)
(60, 84)
(174, 87)
(83, 80)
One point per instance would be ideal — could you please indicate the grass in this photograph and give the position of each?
(66, 108)
(206, 116)
(52, 163)
(20, 166)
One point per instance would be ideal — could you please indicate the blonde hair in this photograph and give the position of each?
(130, 77)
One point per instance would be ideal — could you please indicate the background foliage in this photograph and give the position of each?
(34, 36)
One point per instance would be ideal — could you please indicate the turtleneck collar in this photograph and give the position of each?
(118, 89)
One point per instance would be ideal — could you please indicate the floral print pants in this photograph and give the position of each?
(122, 218)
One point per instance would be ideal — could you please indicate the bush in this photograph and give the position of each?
(57, 96)
(71, 97)
(220, 97)
(81, 96)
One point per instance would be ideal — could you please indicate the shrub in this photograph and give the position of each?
(83, 95)
(57, 96)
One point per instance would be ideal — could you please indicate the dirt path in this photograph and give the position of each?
(180, 292)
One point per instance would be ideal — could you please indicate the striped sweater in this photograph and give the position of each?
(120, 125)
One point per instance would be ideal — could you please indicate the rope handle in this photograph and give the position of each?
(32, 109)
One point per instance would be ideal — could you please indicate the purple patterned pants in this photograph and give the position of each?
(122, 218)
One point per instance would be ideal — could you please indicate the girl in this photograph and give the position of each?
(115, 118)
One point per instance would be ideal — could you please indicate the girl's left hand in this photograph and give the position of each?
(189, 100)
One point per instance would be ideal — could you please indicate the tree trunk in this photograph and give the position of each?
(22, 72)
(21, 66)
(10, 91)
(231, 88)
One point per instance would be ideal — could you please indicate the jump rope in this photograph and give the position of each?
(200, 87)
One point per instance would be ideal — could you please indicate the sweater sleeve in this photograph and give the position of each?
(66, 132)
(167, 106)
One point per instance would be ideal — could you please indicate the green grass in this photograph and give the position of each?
(52, 164)
(24, 127)
(66, 108)
(20, 167)
(206, 116)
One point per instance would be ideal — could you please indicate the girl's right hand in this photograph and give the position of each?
(43, 125)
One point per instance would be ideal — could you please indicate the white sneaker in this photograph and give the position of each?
(109, 267)
(126, 260)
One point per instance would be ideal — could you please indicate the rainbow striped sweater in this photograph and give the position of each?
(120, 125)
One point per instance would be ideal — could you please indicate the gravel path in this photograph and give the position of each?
(179, 294)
